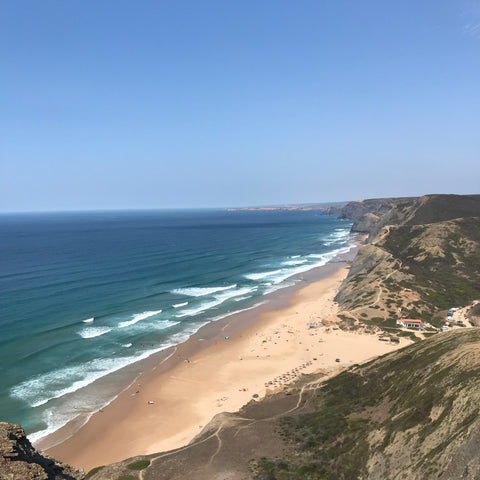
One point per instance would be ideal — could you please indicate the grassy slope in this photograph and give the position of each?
(438, 261)
(445, 276)
(405, 415)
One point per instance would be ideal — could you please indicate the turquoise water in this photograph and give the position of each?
(85, 294)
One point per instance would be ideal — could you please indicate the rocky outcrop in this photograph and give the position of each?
(20, 461)
(357, 209)
(474, 315)
(366, 223)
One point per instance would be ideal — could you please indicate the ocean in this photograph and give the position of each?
(86, 294)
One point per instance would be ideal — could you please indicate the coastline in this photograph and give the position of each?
(220, 369)
(110, 386)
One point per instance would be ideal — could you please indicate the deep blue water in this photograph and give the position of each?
(84, 294)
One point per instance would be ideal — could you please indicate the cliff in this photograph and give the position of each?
(474, 315)
(369, 216)
(20, 461)
(423, 257)
(356, 209)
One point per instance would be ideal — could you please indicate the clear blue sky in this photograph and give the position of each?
(202, 103)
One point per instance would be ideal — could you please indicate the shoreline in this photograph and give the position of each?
(243, 357)
(163, 360)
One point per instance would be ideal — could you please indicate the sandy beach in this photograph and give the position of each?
(165, 410)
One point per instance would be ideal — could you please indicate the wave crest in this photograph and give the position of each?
(137, 317)
(201, 291)
(92, 332)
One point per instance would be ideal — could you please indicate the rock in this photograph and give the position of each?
(19, 460)
(357, 209)
(365, 223)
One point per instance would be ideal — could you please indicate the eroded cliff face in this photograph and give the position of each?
(366, 223)
(420, 269)
(357, 209)
(20, 461)
(474, 315)
(371, 215)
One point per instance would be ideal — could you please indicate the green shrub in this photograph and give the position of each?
(139, 465)
(93, 471)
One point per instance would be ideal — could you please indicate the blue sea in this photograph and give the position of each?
(83, 295)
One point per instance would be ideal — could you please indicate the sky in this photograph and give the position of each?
(215, 103)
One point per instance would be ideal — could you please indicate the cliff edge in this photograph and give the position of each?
(20, 461)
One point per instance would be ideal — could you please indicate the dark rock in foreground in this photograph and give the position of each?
(20, 461)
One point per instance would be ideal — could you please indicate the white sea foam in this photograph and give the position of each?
(187, 332)
(44, 388)
(164, 324)
(260, 275)
(328, 256)
(201, 308)
(57, 416)
(219, 299)
(54, 420)
(273, 288)
(41, 389)
(91, 332)
(89, 320)
(295, 262)
(228, 314)
(239, 299)
(319, 260)
(339, 235)
(295, 256)
(201, 291)
(137, 317)
(317, 255)
(127, 345)
(178, 305)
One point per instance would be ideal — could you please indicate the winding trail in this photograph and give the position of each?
(300, 404)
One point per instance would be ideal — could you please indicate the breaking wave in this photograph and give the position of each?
(201, 291)
(137, 317)
(92, 332)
